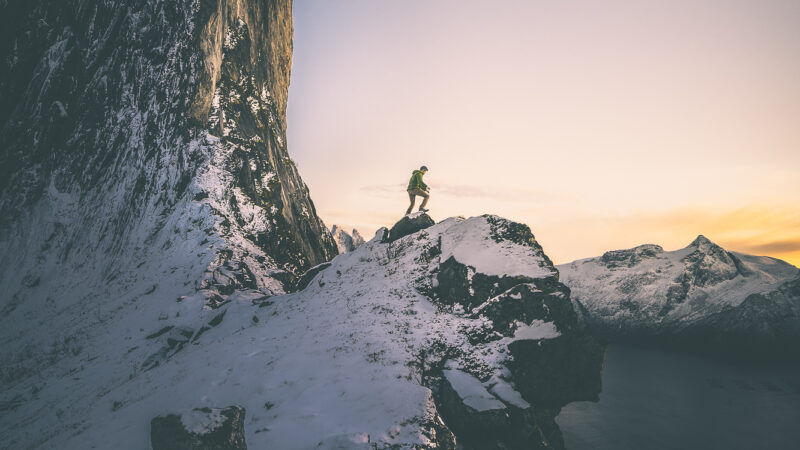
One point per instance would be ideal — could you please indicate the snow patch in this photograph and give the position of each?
(471, 391)
(536, 330)
(504, 391)
(469, 242)
(202, 422)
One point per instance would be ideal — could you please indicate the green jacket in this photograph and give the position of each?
(416, 181)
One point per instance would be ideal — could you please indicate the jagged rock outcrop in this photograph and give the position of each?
(701, 298)
(346, 242)
(200, 429)
(547, 369)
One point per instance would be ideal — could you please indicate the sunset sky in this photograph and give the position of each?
(600, 124)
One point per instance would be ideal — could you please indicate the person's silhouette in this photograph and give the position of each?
(418, 187)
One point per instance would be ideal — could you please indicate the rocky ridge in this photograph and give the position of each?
(458, 334)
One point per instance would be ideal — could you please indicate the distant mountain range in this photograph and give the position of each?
(346, 242)
(701, 297)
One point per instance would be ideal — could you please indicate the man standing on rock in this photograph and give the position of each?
(417, 187)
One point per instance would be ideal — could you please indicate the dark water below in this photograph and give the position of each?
(655, 400)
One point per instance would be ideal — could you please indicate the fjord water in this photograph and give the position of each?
(654, 399)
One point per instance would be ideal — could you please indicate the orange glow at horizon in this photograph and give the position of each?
(601, 125)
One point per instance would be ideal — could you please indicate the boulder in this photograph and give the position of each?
(408, 225)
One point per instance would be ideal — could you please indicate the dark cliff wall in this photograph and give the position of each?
(130, 125)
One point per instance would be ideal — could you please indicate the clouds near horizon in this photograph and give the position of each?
(602, 125)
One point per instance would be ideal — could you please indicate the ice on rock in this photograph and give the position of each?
(536, 330)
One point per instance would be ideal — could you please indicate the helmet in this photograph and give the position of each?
(423, 168)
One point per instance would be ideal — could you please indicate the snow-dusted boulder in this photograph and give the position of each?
(409, 224)
(701, 297)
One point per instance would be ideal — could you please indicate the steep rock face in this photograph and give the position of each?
(143, 161)
(700, 297)
(121, 118)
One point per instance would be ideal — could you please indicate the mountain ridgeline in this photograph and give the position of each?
(700, 298)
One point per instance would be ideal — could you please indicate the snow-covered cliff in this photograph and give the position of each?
(143, 159)
(128, 127)
(701, 296)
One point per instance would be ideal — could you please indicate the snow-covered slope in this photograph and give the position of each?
(698, 291)
(346, 242)
(415, 343)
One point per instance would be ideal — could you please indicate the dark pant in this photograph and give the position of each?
(411, 196)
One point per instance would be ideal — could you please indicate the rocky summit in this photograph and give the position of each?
(701, 298)
(408, 224)
(456, 336)
(165, 281)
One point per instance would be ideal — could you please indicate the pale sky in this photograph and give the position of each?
(600, 124)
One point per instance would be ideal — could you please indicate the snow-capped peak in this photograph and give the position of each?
(651, 291)
(701, 241)
(346, 242)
